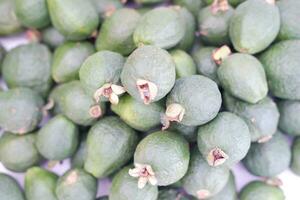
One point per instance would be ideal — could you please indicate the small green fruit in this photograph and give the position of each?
(77, 160)
(295, 164)
(9, 188)
(9, 23)
(289, 121)
(56, 96)
(52, 38)
(184, 64)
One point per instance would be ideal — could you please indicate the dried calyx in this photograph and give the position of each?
(72, 178)
(174, 113)
(264, 139)
(219, 5)
(203, 194)
(148, 90)
(145, 174)
(110, 91)
(33, 35)
(216, 157)
(95, 111)
(220, 54)
(273, 181)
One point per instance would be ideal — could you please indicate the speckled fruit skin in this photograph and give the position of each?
(260, 190)
(199, 96)
(75, 19)
(171, 194)
(188, 132)
(254, 26)
(184, 64)
(28, 66)
(9, 23)
(102, 160)
(124, 187)
(232, 75)
(295, 163)
(269, 159)
(289, 121)
(40, 184)
(138, 115)
(18, 153)
(167, 153)
(281, 62)
(9, 188)
(262, 118)
(78, 158)
(68, 59)
(76, 184)
(192, 5)
(152, 64)
(116, 33)
(161, 27)
(201, 176)
(52, 37)
(58, 138)
(33, 13)
(227, 132)
(21, 110)
(104, 6)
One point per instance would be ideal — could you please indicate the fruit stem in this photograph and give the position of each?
(216, 157)
(220, 54)
(148, 90)
(110, 91)
(174, 113)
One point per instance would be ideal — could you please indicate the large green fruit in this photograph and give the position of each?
(192, 5)
(289, 121)
(254, 26)
(51, 37)
(9, 188)
(184, 64)
(9, 23)
(295, 163)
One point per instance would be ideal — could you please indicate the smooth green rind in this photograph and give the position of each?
(102, 159)
(76, 184)
(281, 62)
(56, 95)
(289, 121)
(167, 153)
(40, 184)
(9, 188)
(21, 110)
(259, 190)
(18, 153)
(67, 60)
(184, 64)
(77, 160)
(295, 163)
(254, 26)
(105, 6)
(124, 187)
(269, 159)
(75, 19)
(192, 5)
(2, 55)
(232, 73)
(57, 139)
(189, 132)
(51, 37)
(171, 194)
(9, 23)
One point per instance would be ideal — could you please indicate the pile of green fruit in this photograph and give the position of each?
(161, 97)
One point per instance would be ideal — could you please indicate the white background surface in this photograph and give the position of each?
(291, 182)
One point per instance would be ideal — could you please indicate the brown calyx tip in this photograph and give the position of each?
(203, 194)
(273, 181)
(33, 35)
(148, 90)
(95, 111)
(265, 139)
(110, 91)
(144, 173)
(219, 5)
(72, 178)
(216, 157)
(174, 113)
(220, 54)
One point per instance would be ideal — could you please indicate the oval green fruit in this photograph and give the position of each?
(289, 121)
(295, 163)
(9, 23)
(78, 158)
(9, 188)
(184, 64)
(56, 96)
(2, 55)
(51, 37)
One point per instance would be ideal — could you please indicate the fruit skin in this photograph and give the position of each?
(142, 64)
(232, 72)
(105, 6)
(199, 96)
(171, 194)
(116, 33)
(138, 115)
(260, 190)
(21, 110)
(281, 63)
(28, 66)
(57, 139)
(295, 163)
(148, 1)
(188, 132)
(184, 64)
(33, 13)
(40, 184)
(67, 60)
(52, 38)
(227, 132)
(9, 188)
(77, 160)
(201, 176)
(80, 18)
(262, 118)
(124, 187)
(192, 5)
(269, 159)
(2, 55)
(56, 96)
(161, 27)
(167, 153)
(247, 28)
(18, 153)
(289, 121)
(76, 184)
(102, 160)
(231, 2)
(9, 23)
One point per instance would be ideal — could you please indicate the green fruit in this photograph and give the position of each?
(289, 121)
(33, 13)
(68, 59)
(57, 139)
(232, 73)
(28, 66)
(225, 140)
(21, 110)
(18, 153)
(75, 19)
(9, 23)
(254, 26)
(102, 160)
(262, 118)
(192, 5)
(77, 160)
(148, 74)
(269, 159)
(166, 153)
(116, 33)
(289, 13)
(138, 115)
(202, 180)
(51, 37)
(171, 194)
(104, 7)
(55, 96)
(124, 187)
(2, 55)
(9, 188)
(184, 64)
(281, 63)
(40, 184)
(295, 163)
(76, 184)
(161, 27)
(189, 132)
(260, 190)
